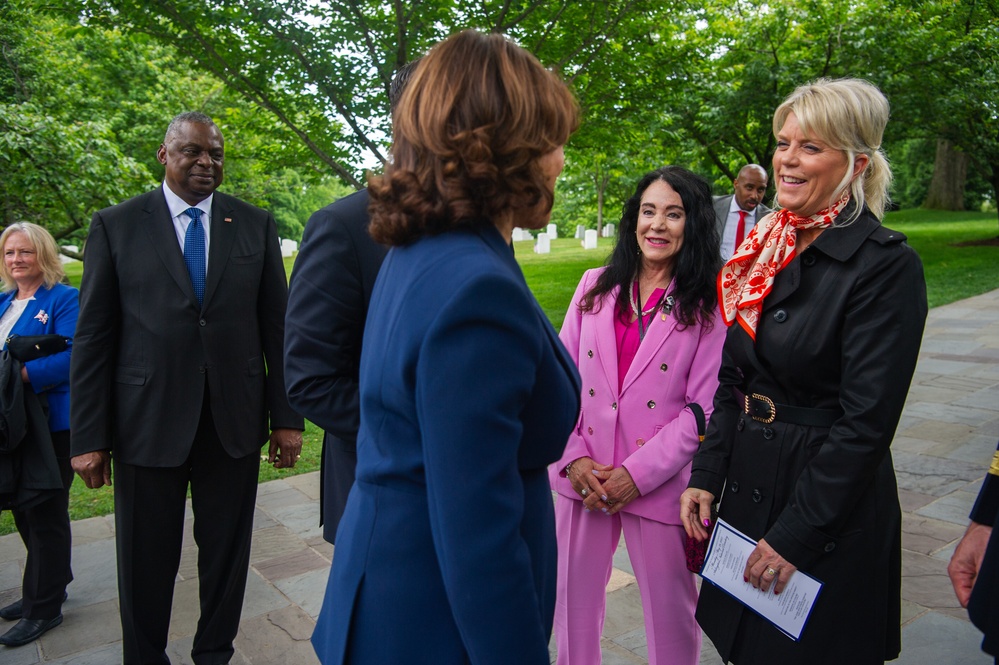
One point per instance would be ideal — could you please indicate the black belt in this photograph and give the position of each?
(763, 409)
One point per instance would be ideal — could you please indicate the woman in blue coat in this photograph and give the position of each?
(446, 551)
(37, 303)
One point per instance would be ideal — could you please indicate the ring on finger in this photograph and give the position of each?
(583, 492)
(771, 572)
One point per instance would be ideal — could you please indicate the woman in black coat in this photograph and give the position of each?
(830, 307)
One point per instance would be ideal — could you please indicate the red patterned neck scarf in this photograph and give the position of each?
(748, 277)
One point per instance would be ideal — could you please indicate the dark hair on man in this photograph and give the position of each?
(400, 81)
(468, 135)
(184, 118)
(695, 269)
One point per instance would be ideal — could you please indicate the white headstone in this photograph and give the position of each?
(552, 231)
(288, 247)
(590, 241)
(543, 245)
(580, 229)
(521, 234)
(608, 231)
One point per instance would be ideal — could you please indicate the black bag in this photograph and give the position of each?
(33, 347)
(13, 419)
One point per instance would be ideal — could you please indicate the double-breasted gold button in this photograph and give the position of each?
(589, 353)
(614, 406)
(663, 367)
(651, 404)
(640, 442)
(589, 430)
(592, 392)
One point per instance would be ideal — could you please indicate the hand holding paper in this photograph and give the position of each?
(726, 566)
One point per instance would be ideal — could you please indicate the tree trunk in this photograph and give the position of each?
(950, 172)
(601, 182)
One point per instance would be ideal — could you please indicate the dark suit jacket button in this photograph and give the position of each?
(741, 425)
(829, 547)
(808, 259)
(768, 433)
(202, 323)
(757, 497)
(780, 316)
(734, 486)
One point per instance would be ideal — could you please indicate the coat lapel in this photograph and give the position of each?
(223, 232)
(648, 350)
(606, 337)
(159, 227)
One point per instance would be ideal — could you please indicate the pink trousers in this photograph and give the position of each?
(586, 545)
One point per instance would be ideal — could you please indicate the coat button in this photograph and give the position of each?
(808, 259)
(780, 316)
(768, 433)
(614, 406)
(589, 430)
(741, 425)
(829, 547)
(202, 323)
(640, 442)
(651, 404)
(592, 392)
(757, 497)
(589, 353)
(734, 486)
(663, 367)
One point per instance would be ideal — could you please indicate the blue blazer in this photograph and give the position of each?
(446, 551)
(52, 311)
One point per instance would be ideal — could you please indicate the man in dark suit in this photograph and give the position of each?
(737, 214)
(175, 370)
(974, 567)
(328, 300)
(331, 285)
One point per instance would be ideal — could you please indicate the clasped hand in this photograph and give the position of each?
(603, 487)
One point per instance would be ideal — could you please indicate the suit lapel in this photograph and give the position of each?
(159, 226)
(223, 232)
(606, 337)
(648, 350)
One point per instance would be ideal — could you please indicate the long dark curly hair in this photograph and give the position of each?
(696, 266)
(468, 136)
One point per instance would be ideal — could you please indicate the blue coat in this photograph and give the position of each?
(53, 311)
(446, 551)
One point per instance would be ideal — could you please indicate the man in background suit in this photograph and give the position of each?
(328, 300)
(738, 213)
(176, 367)
(974, 567)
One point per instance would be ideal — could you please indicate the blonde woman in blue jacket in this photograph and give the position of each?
(37, 303)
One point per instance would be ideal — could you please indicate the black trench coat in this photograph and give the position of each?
(840, 330)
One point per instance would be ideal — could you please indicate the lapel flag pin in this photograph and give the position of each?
(228, 219)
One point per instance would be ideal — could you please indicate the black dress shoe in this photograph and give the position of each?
(26, 631)
(12, 612)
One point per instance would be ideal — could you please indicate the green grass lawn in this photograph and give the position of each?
(952, 273)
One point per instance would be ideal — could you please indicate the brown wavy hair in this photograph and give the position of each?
(468, 134)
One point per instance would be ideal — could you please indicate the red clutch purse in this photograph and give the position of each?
(695, 550)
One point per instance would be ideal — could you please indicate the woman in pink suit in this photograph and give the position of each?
(645, 334)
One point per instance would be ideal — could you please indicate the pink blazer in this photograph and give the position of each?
(644, 426)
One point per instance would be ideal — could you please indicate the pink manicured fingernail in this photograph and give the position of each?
(707, 522)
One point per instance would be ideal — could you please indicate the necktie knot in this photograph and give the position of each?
(194, 252)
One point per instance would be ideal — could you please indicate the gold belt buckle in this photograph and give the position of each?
(769, 402)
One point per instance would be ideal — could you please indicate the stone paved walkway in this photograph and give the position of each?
(946, 438)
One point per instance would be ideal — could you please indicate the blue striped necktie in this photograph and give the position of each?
(194, 252)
